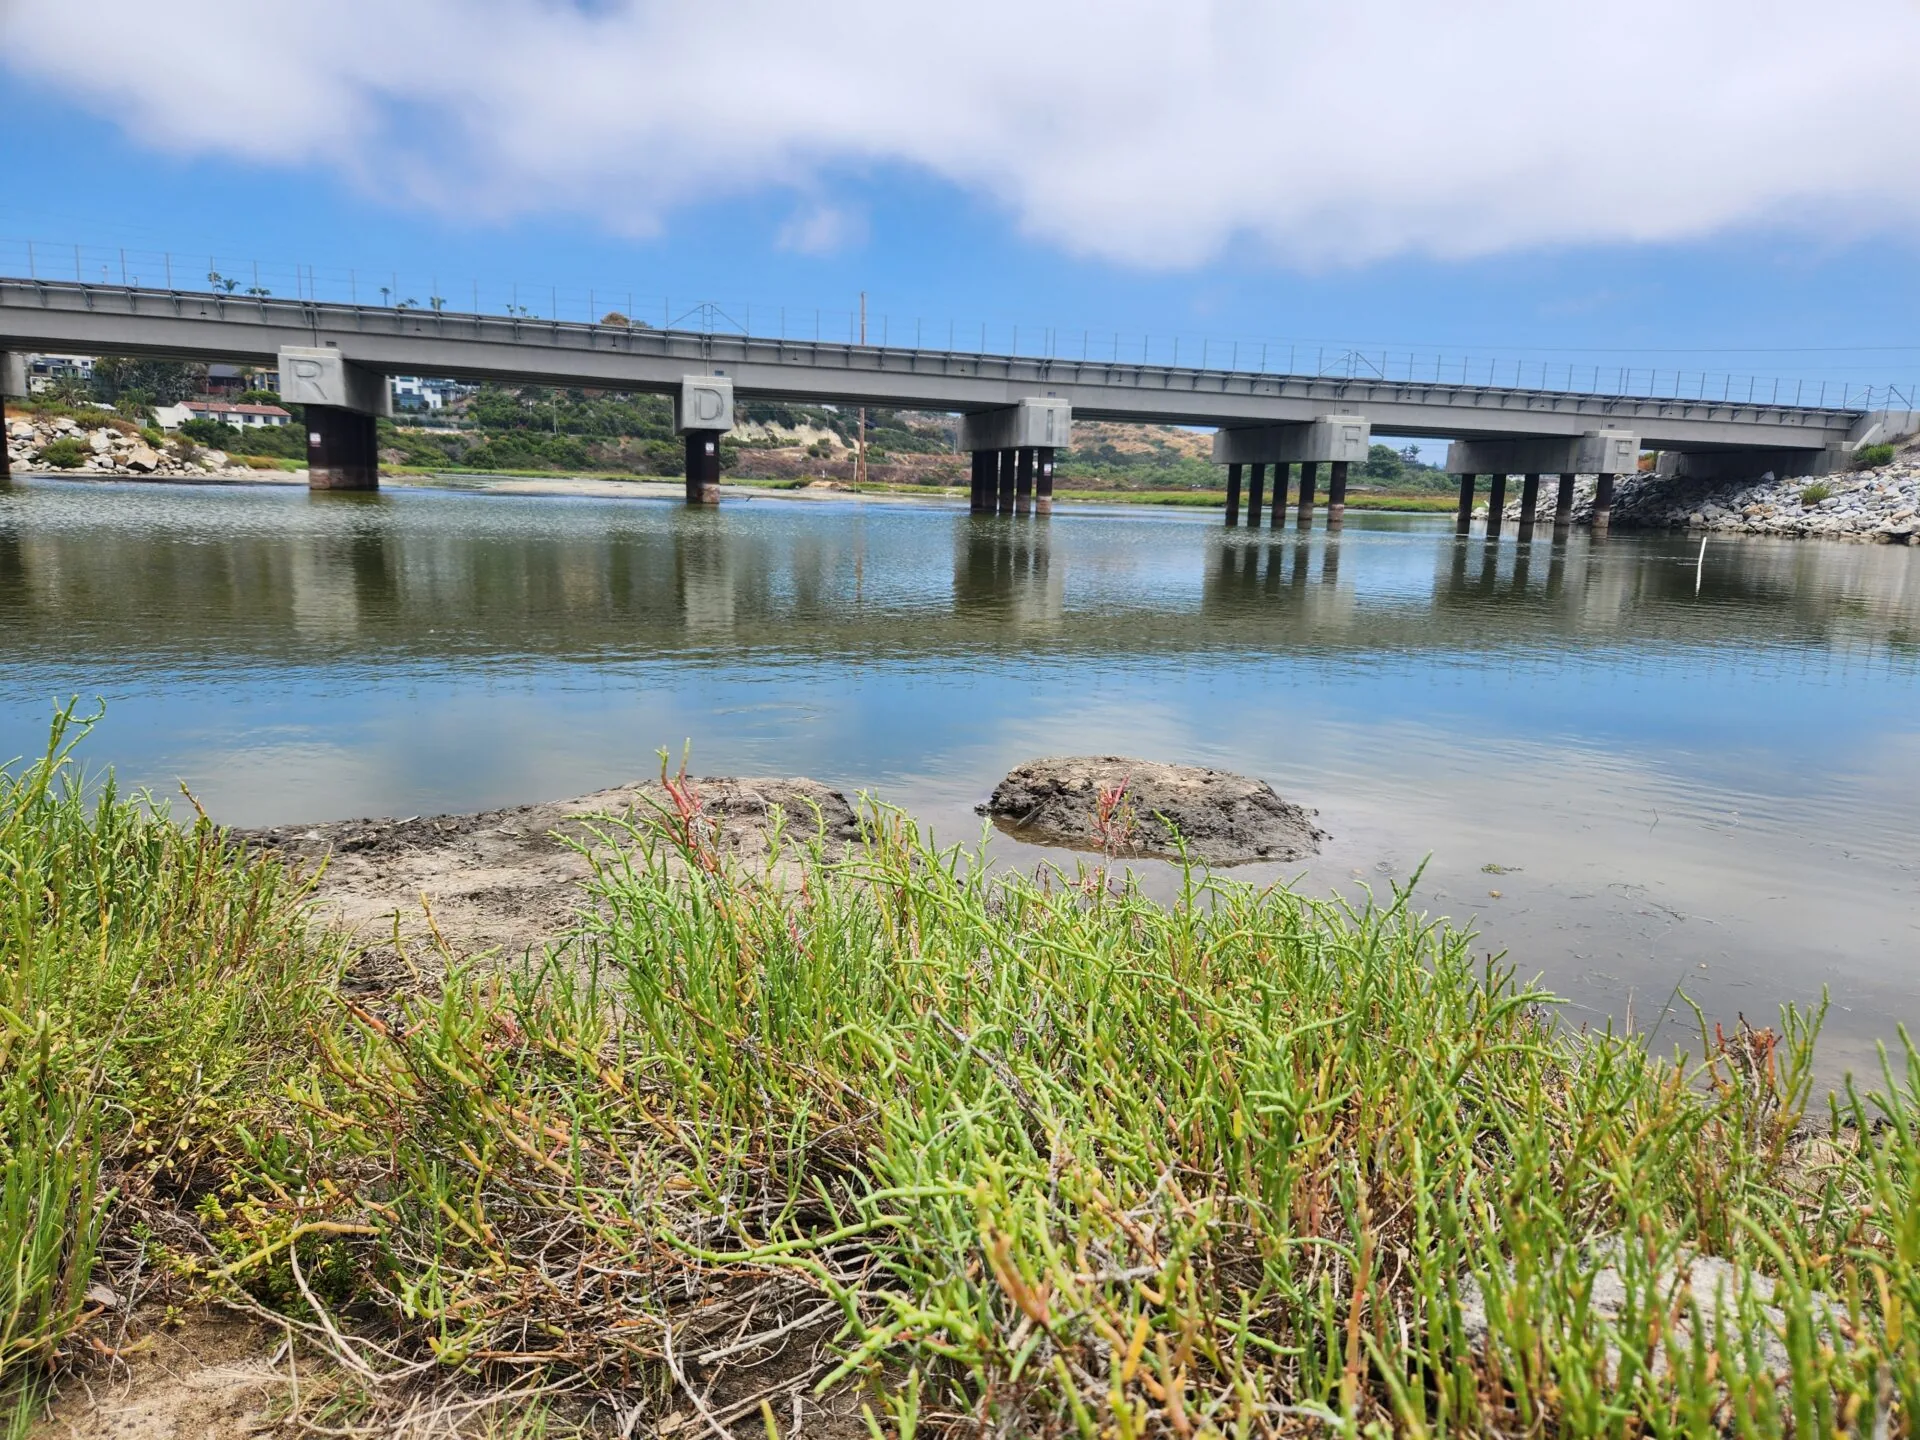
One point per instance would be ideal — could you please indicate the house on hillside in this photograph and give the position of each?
(43, 371)
(241, 417)
(411, 392)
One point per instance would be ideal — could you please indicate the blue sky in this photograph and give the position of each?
(957, 204)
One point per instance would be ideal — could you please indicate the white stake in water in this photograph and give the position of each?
(1698, 564)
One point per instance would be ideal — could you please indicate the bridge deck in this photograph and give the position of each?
(106, 320)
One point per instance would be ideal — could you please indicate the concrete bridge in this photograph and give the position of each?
(1017, 411)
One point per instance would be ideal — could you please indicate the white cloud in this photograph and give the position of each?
(1151, 132)
(820, 228)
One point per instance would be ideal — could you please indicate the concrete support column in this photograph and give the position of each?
(1233, 496)
(703, 467)
(1529, 502)
(1336, 494)
(1043, 480)
(1019, 440)
(341, 400)
(1602, 505)
(13, 386)
(703, 412)
(1463, 517)
(1496, 505)
(1563, 508)
(1256, 484)
(1309, 475)
(342, 449)
(1282, 481)
(980, 482)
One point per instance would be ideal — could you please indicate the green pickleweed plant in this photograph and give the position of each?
(1045, 1155)
(153, 980)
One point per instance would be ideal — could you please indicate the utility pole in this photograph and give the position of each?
(860, 447)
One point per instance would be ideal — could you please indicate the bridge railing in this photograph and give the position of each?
(1839, 384)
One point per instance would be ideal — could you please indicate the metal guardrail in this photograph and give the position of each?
(239, 279)
(1183, 387)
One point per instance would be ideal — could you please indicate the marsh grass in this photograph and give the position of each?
(1035, 1155)
(153, 985)
(1045, 1156)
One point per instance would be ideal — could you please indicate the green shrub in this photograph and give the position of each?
(1869, 457)
(66, 453)
(1816, 492)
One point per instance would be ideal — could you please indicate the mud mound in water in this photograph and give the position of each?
(1225, 819)
(509, 879)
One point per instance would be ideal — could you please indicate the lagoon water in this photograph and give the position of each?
(1628, 784)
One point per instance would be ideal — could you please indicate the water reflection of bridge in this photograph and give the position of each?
(387, 576)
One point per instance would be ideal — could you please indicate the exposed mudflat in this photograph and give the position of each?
(509, 880)
(1225, 819)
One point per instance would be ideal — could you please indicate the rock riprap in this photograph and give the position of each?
(1224, 819)
(1879, 506)
(115, 447)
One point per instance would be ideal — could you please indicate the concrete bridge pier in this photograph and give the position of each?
(1309, 478)
(703, 412)
(1233, 495)
(1282, 482)
(342, 402)
(1336, 440)
(1019, 434)
(1043, 480)
(1496, 506)
(13, 386)
(1256, 485)
(1563, 508)
(1463, 515)
(1337, 494)
(1604, 453)
(1529, 503)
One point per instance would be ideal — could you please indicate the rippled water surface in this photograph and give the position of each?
(1715, 789)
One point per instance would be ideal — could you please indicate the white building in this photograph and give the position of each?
(44, 370)
(241, 417)
(412, 392)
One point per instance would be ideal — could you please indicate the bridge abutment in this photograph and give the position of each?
(702, 414)
(343, 402)
(1336, 440)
